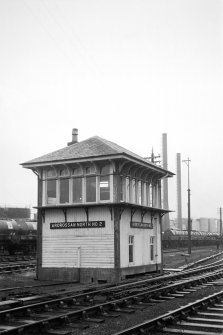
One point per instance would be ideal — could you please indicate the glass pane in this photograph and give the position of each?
(63, 172)
(104, 188)
(150, 196)
(130, 253)
(51, 191)
(133, 190)
(91, 189)
(122, 188)
(64, 190)
(90, 169)
(139, 195)
(77, 190)
(127, 189)
(151, 252)
(77, 171)
(105, 169)
(51, 173)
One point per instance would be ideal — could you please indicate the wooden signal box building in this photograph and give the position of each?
(99, 212)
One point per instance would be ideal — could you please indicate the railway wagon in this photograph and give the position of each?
(176, 238)
(17, 236)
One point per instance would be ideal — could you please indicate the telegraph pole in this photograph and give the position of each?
(187, 161)
(220, 221)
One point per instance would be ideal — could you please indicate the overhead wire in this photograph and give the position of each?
(57, 43)
(85, 53)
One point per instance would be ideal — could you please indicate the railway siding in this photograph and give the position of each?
(83, 308)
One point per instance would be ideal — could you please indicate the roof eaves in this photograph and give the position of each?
(98, 158)
(151, 165)
(70, 160)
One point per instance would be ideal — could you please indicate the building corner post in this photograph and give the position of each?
(39, 226)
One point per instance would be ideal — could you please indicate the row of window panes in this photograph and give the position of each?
(131, 248)
(52, 173)
(133, 190)
(77, 189)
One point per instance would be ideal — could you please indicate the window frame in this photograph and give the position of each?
(56, 191)
(106, 174)
(131, 247)
(72, 189)
(79, 171)
(52, 177)
(68, 191)
(78, 175)
(152, 248)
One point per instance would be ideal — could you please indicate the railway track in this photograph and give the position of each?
(202, 317)
(16, 258)
(45, 313)
(11, 264)
(8, 268)
(114, 290)
(48, 314)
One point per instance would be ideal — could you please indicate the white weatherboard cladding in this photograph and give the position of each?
(78, 247)
(141, 240)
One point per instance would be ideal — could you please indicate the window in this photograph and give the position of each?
(51, 173)
(133, 191)
(91, 189)
(63, 172)
(122, 188)
(51, 192)
(139, 193)
(127, 189)
(64, 190)
(143, 195)
(90, 169)
(77, 171)
(104, 183)
(152, 239)
(150, 195)
(77, 190)
(147, 194)
(131, 248)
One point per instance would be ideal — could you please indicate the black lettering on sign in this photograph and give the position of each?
(78, 224)
(142, 225)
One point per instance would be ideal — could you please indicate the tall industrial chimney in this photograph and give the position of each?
(166, 219)
(179, 200)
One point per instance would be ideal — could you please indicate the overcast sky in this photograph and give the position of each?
(124, 70)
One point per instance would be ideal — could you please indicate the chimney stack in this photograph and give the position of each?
(74, 136)
(179, 201)
(166, 218)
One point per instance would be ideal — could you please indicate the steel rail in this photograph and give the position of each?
(159, 323)
(110, 292)
(64, 307)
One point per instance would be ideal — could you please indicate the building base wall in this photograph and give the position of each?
(58, 274)
(133, 270)
(94, 275)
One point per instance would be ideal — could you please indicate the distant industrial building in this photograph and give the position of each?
(15, 213)
(200, 224)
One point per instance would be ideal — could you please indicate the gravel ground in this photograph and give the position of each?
(174, 260)
(114, 325)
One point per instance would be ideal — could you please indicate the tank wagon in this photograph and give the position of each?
(176, 238)
(17, 236)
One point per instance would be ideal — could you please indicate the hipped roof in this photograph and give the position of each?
(91, 148)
